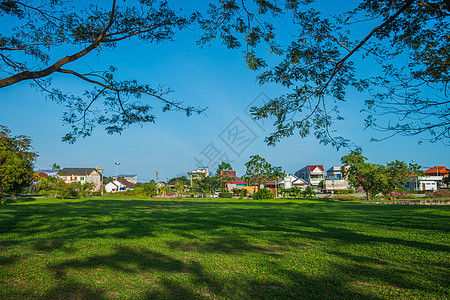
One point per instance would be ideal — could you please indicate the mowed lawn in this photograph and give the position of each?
(118, 247)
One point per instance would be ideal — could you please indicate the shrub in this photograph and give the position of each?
(225, 195)
(439, 194)
(240, 192)
(345, 197)
(342, 192)
(405, 195)
(263, 194)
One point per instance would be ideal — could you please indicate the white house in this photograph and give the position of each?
(119, 185)
(430, 181)
(201, 172)
(131, 178)
(312, 174)
(82, 175)
(290, 181)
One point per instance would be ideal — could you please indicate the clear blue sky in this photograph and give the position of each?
(214, 77)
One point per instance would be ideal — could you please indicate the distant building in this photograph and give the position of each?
(232, 180)
(430, 181)
(332, 185)
(335, 172)
(119, 185)
(201, 172)
(312, 174)
(290, 181)
(82, 175)
(131, 178)
(51, 173)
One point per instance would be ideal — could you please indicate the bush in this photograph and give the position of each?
(342, 192)
(345, 197)
(263, 194)
(405, 195)
(225, 195)
(439, 194)
(240, 192)
(96, 194)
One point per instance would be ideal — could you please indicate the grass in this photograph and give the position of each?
(116, 247)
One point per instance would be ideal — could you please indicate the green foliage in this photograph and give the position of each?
(208, 185)
(225, 195)
(375, 178)
(241, 193)
(309, 192)
(52, 187)
(258, 170)
(263, 194)
(49, 35)
(182, 179)
(406, 42)
(295, 191)
(342, 192)
(147, 189)
(16, 163)
(345, 197)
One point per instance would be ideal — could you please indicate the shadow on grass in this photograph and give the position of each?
(218, 228)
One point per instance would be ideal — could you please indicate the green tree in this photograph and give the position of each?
(222, 174)
(16, 163)
(309, 192)
(407, 42)
(47, 37)
(207, 185)
(258, 170)
(375, 178)
(179, 188)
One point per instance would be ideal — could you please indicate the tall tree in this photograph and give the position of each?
(48, 36)
(375, 178)
(407, 39)
(258, 170)
(16, 163)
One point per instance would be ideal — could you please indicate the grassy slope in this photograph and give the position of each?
(114, 247)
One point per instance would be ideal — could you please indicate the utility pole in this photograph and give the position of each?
(117, 164)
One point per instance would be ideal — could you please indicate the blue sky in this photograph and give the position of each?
(212, 77)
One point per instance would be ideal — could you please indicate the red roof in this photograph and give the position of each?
(438, 170)
(232, 178)
(42, 174)
(312, 167)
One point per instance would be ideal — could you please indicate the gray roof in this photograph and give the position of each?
(78, 171)
(127, 175)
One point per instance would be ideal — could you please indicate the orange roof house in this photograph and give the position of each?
(437, 171)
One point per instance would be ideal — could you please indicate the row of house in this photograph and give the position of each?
(332, 180)
(94, 176)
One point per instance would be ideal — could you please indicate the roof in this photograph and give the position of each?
(232, 178)
(42, 174)
(127, 175)
(437, 170)
(126, 183)
(312, 167)
(78, 171)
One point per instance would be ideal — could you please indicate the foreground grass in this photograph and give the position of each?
(114, 247)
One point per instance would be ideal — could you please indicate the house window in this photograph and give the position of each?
(81, 178)
(75, 178)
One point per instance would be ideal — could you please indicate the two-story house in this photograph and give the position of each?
(312, 174)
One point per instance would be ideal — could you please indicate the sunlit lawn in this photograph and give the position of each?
(114, 247)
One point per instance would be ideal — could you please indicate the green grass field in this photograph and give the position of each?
(118, 247)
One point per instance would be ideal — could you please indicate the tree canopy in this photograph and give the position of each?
(376, 178)
(318, 64)
(43, 29)
(16, 163)
(408, 40)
